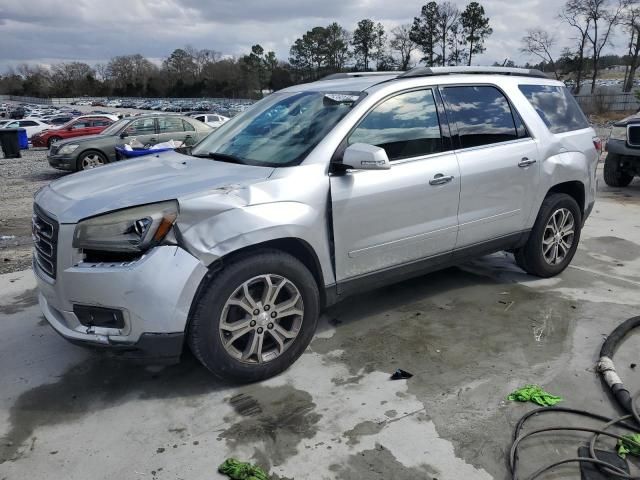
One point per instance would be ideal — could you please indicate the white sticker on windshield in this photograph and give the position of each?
(341, 97)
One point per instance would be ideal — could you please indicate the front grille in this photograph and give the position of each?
(44, 230)
(633, 135)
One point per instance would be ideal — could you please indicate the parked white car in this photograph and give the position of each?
(213, 120)
(31, 125)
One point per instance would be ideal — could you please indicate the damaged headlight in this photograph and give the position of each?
(131, 230)
(618, 133)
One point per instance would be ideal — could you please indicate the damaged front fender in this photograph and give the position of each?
(231, 218)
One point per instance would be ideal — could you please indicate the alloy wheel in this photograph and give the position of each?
(558, 236)
(261, 319)
(92, 160)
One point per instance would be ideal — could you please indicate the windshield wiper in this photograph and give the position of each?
(223, 157)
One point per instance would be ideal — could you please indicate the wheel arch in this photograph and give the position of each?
(296, 247)
(574, 189)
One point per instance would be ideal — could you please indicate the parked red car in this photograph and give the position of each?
(78, 127)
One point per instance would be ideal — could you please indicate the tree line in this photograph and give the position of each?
(592, 23)
(441, 34)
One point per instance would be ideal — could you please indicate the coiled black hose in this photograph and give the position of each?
(608, 370)
(631, 422)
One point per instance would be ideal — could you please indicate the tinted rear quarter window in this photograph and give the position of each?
(557, 108)
(482, 115)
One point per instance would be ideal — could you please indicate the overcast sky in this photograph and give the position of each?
(92, 31)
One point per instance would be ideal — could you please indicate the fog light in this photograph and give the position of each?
(99, 316)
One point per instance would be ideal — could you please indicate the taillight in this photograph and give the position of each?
(598, 144)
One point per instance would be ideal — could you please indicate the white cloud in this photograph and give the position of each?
(94, 30)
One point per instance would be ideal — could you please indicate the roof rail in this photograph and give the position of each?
(431, 71)
(337, 76)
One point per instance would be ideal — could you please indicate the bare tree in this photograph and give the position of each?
(598, 19)
(631, 22)
(448, 15)
(571, 15)
(401, 42)
(540, 43)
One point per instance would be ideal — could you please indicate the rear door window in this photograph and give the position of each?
(482, 115)
(557, 108)
(405, 125)
(170, 124)
(100, 122)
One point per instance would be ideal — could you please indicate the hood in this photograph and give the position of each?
(631, 119)
(81, 139)
(149, 179)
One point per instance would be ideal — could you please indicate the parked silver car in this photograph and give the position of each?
(316, 192)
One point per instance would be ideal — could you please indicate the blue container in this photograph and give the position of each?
(139, 152)
(23, 140)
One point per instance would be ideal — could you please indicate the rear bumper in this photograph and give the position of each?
(38, 141)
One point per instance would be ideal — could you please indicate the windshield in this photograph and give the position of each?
(278, 131)
(115, 127)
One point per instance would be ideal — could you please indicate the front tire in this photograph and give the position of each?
(613, 174)
(91, 159)
(553, 241)
(255, 317)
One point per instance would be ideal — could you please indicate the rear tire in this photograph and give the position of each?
(553, 241)
(237, 344)
(614, 176)
(53, 140)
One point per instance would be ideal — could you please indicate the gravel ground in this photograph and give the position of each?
(20, 178)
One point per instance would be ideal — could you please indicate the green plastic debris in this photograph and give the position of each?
(237, 470)
(630, 445)
(535, 394)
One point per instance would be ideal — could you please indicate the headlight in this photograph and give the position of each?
(132, 230)
(618, 133)
(68, 148)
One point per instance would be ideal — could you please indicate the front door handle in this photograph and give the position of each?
(525, 162)
(440, 179)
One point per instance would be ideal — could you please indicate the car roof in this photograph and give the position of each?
(361, 81)
(342, 84)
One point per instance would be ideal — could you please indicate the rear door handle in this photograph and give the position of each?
(440, 179)
(525, 162)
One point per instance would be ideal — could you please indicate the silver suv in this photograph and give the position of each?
(316, 192)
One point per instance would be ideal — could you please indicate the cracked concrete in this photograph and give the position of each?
(470, 335)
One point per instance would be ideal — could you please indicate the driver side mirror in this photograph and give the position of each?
(362, 156)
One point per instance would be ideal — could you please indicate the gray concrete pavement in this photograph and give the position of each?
(470, 335)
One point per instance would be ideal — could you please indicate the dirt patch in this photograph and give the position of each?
(98, 382)
(20, 180)
(614, 247)
(278, 417)
(380, 464)
(20, 302)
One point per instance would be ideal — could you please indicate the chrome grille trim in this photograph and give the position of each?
(44, 230)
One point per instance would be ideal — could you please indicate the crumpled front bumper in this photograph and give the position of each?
(154, 294)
